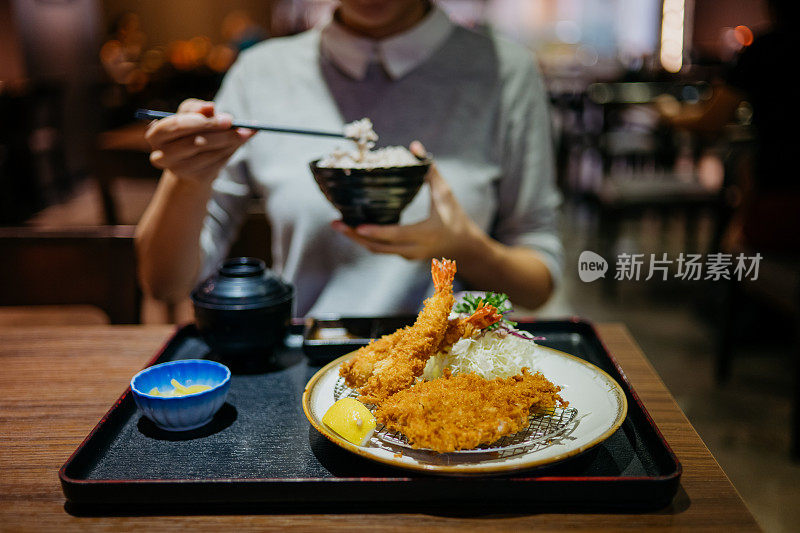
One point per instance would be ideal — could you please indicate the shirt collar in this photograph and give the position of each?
(398, 54)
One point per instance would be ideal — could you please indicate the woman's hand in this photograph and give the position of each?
(450, 232)
(191, 146)
(195, 143)
(447, 232)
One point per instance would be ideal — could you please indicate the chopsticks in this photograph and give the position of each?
(149, 114)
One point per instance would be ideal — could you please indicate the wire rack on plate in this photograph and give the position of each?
(543, 426)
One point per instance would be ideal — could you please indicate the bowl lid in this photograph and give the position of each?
(242, 283)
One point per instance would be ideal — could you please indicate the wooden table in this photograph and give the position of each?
(56, 383)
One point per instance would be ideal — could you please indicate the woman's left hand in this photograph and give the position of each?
(447, 232)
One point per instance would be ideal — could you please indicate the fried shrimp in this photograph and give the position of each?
(394, 361)
(483, 317)
(397, 371)
(464, 411)
(357, 370)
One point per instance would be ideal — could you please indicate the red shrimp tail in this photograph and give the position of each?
(484, 316)
(443, 273)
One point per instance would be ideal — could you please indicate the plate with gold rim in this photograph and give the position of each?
(597, 408)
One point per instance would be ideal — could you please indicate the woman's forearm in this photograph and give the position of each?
(517, 271)
(192, 147)
(168, 237)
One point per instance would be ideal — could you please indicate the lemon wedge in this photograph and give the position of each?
(351, 420)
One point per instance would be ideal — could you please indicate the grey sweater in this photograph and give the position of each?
(478, 105)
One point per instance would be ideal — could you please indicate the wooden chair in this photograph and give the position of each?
(77, 266)
(121, 152)
(33, 167)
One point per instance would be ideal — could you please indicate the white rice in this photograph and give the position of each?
(392, 156)
(364, 157)
(362, 132)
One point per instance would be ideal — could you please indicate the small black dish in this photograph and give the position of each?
(243, 311)
(370, 195)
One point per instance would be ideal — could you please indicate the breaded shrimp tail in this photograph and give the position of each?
(483, 317)
(393, 362)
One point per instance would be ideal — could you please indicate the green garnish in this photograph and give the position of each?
(470, 303)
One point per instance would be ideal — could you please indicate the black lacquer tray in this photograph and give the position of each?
(261, 454)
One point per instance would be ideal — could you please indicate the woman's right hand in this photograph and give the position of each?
(195, 143)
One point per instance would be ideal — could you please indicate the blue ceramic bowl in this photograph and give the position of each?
(181, 413)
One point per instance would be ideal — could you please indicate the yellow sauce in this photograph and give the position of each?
(178, 390)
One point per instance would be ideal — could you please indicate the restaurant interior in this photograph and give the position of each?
(653, 159)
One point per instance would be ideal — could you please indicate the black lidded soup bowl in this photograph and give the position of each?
(370, 195)
(244, 310)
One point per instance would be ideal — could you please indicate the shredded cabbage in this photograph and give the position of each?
(493, 354)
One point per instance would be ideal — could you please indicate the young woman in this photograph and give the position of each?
(475, 102)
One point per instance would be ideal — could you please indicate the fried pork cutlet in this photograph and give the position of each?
(464, 411)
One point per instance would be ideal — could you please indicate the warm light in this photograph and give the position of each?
(152, 60)
(200, 46)
(220, 58)
(672, 35)
(183, 55)
(743, 35)
(110, 51)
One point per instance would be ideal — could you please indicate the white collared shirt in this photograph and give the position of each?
(398, 54)
(476, 102)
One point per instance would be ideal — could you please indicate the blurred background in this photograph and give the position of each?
(667, 141)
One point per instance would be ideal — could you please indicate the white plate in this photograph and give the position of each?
(597, 408)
